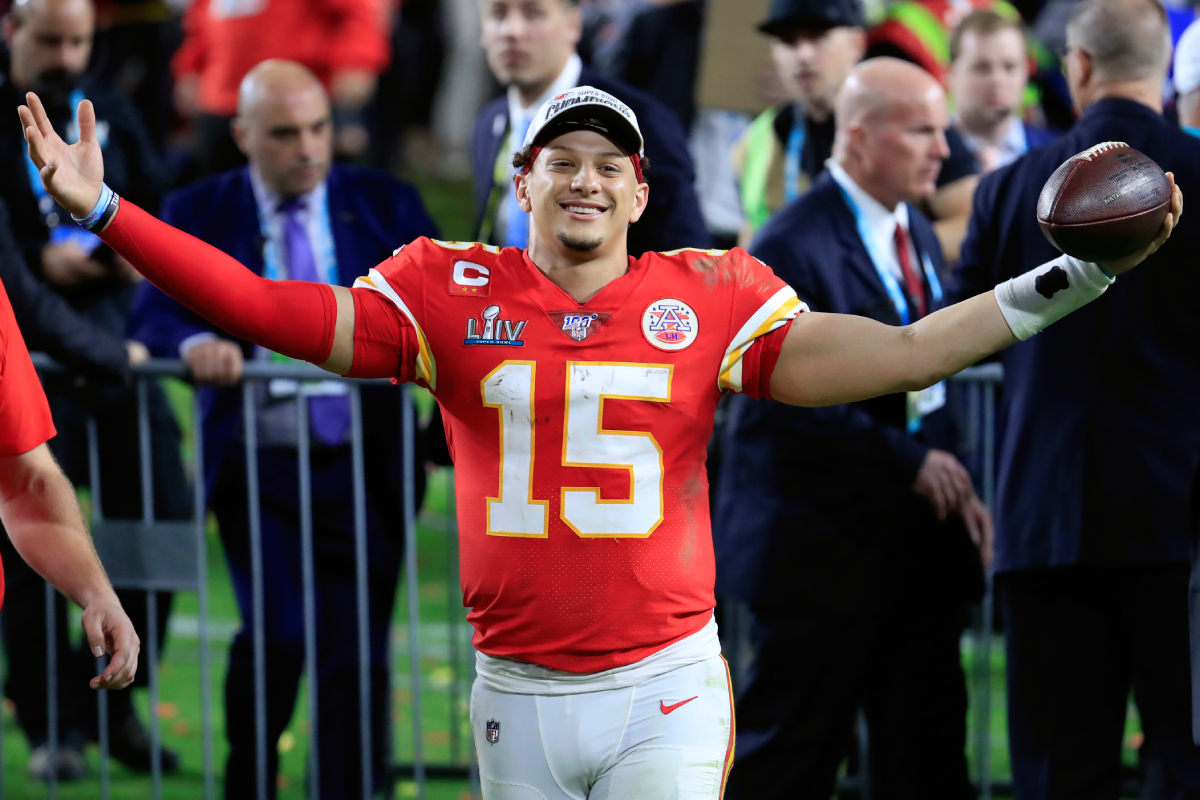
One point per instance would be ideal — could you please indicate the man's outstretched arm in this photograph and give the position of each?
(837, 358)
(310, 321)
(40, 512)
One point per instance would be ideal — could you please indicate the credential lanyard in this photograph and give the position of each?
(795, 153)
(500, 183)
(879, 262)
(45, 202)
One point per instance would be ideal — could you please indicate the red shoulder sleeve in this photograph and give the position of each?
(761, 304)
(25, 419)
(391, 308)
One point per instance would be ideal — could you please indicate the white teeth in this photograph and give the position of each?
(582, 210)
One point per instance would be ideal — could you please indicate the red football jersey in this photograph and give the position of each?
(579, 435)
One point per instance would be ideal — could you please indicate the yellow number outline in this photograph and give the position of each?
(601, 430)
(545, 504)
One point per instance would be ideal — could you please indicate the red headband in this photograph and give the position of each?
(633, 159)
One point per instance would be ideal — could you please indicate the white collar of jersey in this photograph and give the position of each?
(567, 79)
(881, 222)
(268, 199)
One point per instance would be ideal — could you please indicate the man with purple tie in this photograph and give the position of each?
(290, 214)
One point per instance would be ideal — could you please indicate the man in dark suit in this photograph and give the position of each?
(49, 43)
(290, 215)
(531, 49)
(843, 527)
(49, 324)
(1100, 443)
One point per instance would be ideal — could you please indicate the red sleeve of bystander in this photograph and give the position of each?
(25, 419)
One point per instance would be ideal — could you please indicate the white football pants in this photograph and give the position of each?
(668, 738)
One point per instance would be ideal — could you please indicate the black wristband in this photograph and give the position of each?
(113, 206)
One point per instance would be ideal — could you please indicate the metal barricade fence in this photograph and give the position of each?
(977, 449)
(154, 555)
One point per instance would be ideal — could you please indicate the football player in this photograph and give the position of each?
(578, 386)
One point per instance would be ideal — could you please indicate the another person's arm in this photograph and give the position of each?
(359, 49)
(189, 60)
(950, 210)
(950, 206)
(40, 512)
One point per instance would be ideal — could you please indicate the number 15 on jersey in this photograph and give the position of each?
(509, 389)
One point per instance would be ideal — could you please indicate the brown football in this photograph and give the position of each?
(1104, 203)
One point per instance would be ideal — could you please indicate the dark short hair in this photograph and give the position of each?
(522, 157)
(981, 23)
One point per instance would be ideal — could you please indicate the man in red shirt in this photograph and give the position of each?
(40, 512)
(578, 387)
(346, 43)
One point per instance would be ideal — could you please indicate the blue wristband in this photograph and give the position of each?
(106, 198)
(1107, 274)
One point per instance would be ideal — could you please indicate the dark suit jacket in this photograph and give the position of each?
(1036, 136)
(50, 324)
(132, 168)
(371, 214)
(815, 505)
(672, 218)
(1101, 433)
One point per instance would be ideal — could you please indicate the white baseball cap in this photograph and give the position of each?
(587, 108)
(1187, 60)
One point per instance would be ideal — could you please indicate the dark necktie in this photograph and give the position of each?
(912, 281)
(330, 414)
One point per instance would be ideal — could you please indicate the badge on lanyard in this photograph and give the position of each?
(927, 400)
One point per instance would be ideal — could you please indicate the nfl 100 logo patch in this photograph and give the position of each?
(493, 731)
(577, 325)
(670, 324)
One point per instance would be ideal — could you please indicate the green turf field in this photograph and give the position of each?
(445, 736)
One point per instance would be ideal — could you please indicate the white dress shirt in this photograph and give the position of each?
(1011, 146)
(881, 224)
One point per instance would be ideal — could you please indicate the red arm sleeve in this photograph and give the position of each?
(758, 364)
(294, 318)
(385, 343)
(25, 419)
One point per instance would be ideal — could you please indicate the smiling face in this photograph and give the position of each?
(582, 192)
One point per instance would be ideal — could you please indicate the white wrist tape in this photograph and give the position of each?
(1048, 293)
